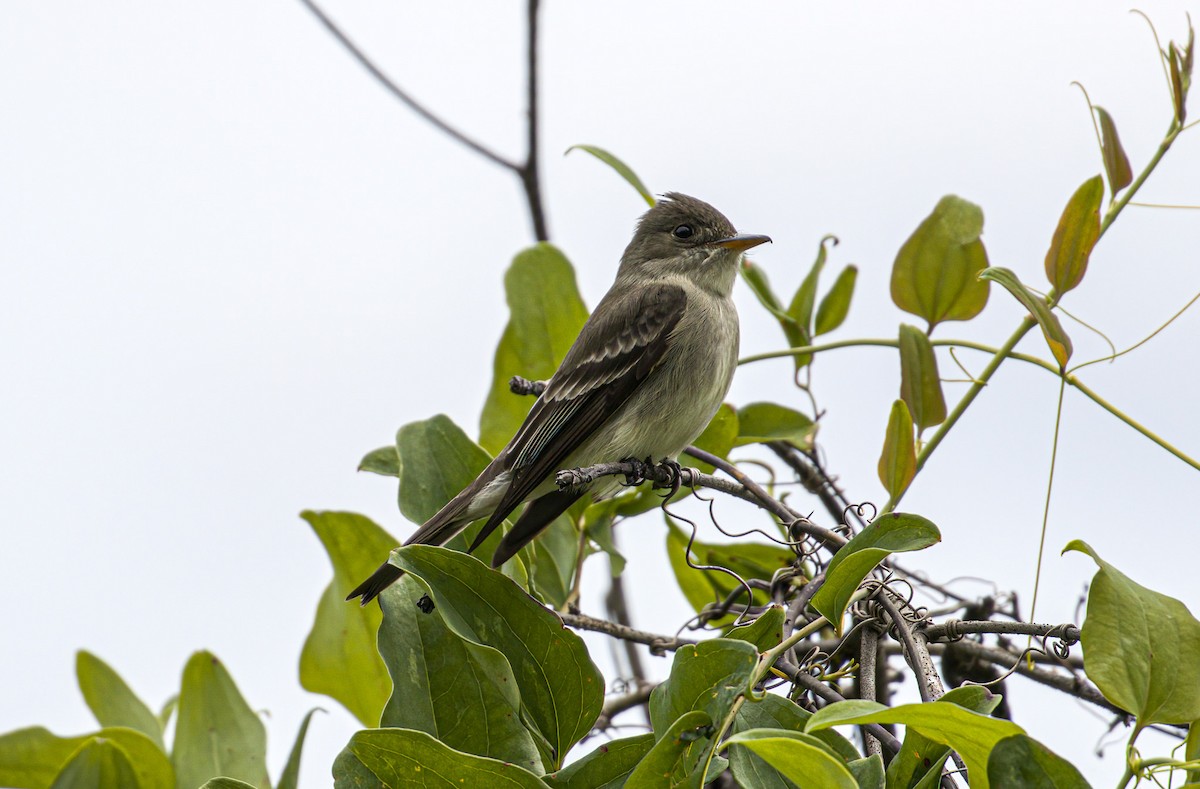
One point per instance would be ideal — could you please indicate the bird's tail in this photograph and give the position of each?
(381, 579)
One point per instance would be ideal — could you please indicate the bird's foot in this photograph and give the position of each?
(639, 470)
(572, 477)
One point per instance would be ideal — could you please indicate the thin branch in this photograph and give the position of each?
(867, 661)
(530, 177)
(403, 95)
(956, 628)
(658, 644)
(916, 650)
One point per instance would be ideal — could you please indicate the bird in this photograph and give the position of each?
(649, 369)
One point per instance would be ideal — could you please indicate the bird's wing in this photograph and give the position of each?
(617, 349)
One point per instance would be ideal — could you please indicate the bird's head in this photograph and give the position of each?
(683, 236)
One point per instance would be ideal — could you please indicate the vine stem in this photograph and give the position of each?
(1071, 379)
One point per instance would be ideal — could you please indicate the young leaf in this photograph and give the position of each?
(1076, 235)
(971, 734)
(835, 306)
(437, 674)
(408, 759)
(1023, 761)
(111, 700)
(216, 732)
(546, 314)
(891, 533)
(898, 461)
(384, 461)
(290, 777)
(1052, 330)
(1145, 663)
(226, 783)
(796, 335)
(33, 757)
(607, 767)
(561, 690)
(799, 757)
(801, 308)
(339, 658)
(1116, 163)
(759, 423)
(777, 712)
(920, 383)
(623, 170)
(935, 273)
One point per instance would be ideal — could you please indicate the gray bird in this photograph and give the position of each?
(648, 371)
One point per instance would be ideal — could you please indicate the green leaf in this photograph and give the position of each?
(438, 460)
(971, 734)
(919, 762)
(406, 759)
(339, 658)
(1023, 761)
(598, 521)
(622, 169)
(801, 308)
(607, 767)
(709, 677)
(1052, 330)
(799, 757)
(31, 758)
(764, 632)
(893, 532)
(868, 772)
(898, 460)
(776, 712)
(720, 436)
(674, 751)
(225, 783)
(1076, 234)
(759, 423)
(1116, 163)
(835, 306)
(384, 461)
(460, 692)
(935, 273)
(920, 383)
(561, 689)
(98, 764)
(546, 314)
(760, 286)
(1140, 647)
(111, 700)
(1191, 750)
(552, 558)
(290, 777)
(216, 734)
(747, 559)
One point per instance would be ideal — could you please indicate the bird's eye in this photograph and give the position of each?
(683, 231)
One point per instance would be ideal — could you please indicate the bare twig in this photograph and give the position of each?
(868, 652)
(530, 178)
(820, 689)
(615, 705)
(916, 649)
(659, 644)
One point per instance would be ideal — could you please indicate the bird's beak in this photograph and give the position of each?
(741, 242)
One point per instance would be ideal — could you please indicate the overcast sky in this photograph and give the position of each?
(232, 264)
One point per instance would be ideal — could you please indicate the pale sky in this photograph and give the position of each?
(232, 264)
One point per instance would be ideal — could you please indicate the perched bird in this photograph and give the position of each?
(648, 371)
